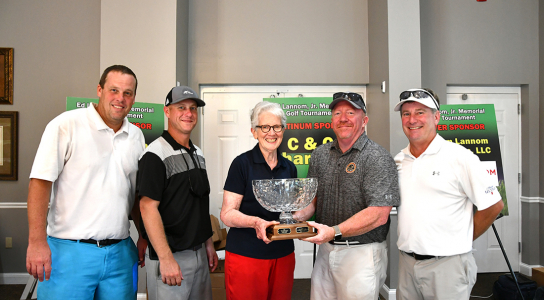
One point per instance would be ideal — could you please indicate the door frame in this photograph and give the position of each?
(516, 89)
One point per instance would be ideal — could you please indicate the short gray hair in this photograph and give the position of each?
(265, 106)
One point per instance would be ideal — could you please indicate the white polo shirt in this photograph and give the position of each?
(438, 190)
(93, 170)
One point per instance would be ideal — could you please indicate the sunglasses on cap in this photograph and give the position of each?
(419, 94)
(352, 97)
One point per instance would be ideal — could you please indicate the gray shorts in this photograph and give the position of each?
(196, 283)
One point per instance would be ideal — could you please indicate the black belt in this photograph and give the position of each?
(99, 243)
(195, 248)
(419, 256)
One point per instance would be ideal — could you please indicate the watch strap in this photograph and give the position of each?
(337, 233)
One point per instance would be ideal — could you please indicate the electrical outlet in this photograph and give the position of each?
(9, 242)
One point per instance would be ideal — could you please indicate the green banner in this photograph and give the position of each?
(308, 126)
(474, 126)
(149, 117)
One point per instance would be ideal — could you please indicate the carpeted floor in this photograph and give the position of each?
(301, 288)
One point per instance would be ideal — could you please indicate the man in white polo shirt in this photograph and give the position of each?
(86, 164)
(440, 182)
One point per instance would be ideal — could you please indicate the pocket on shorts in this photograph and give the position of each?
(469, 268)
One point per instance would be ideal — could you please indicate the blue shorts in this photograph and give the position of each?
(86, 271)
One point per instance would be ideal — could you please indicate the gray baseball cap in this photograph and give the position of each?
(180, 93)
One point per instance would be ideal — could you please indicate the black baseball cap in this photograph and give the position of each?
(180, 93)
(353, 98)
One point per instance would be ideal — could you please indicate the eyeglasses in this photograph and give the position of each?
(353, 97)
(266, 128)
(420, 94)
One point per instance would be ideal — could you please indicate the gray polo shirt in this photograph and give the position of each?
(366, 175)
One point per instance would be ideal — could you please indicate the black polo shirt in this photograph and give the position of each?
(245, 168)
(176, 177)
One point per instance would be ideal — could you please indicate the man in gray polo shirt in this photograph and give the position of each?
(358, 186)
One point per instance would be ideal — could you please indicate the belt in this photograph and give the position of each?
(195, 248)
(344, 242)
(99, 243)
(419, 256)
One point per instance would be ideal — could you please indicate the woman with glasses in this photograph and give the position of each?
(255, 268)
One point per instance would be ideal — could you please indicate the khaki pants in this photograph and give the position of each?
(442, 278)
(349, 272)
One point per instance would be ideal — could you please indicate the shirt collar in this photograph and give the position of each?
(359, 144)
(175, 145)
(433, 147)
(99, 122)
(258, 157)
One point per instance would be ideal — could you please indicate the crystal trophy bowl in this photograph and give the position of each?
(285, 195)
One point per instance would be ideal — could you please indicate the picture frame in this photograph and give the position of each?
(6, 75)
(9, 145)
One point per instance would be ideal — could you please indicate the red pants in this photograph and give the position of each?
(259, 279)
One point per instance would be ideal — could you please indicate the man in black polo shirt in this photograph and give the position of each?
(174, 190)
(358, 186)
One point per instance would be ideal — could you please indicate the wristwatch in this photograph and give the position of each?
(337, 233)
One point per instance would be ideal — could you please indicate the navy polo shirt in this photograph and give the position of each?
(246, 167)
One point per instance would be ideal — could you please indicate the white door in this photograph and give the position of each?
(487, 252)
(226, 134)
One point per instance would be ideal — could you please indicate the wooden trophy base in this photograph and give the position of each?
(290, 231)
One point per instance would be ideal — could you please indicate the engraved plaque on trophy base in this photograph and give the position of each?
(299, 230)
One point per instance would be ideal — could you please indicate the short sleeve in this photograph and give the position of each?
(151, 179)
(313, 171)
(53, 152)
(237, 177)
(381, 180)
(477, 184)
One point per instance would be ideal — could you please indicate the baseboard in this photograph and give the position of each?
(526, 269)
(12, 205)
(14, 278)
(388, 293)
(142, 296)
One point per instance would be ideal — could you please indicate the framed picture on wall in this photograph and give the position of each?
(9, 141)
(6, 75)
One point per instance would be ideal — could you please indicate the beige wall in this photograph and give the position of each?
(56, 54)
(278, 41)
(141, 34)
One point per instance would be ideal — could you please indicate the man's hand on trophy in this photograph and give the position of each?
(324, 233)
(260, 226)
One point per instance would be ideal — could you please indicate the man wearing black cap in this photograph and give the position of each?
(440, 183)
(358, 186)
(174, 189)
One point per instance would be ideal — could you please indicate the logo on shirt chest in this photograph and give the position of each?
(351, 167)
(436, 173)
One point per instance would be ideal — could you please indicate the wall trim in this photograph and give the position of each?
(142, 296)
(524, 199)
(12, 205)
(388, 293)
(526, 269)
(14, 278)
